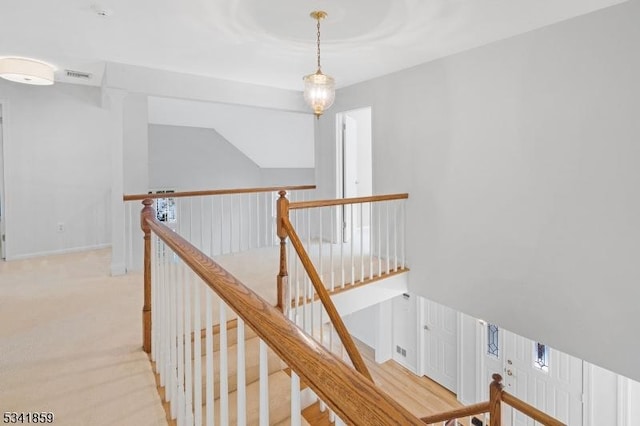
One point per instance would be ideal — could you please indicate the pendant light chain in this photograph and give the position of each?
(318, 44)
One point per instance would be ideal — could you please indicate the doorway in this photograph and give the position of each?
(439, 331)
(3, 255)
(354, 165)
(532, 371)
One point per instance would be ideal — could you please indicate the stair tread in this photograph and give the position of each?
(315, 417)
(279, 401)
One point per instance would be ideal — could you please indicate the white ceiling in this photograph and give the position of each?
(267, 42)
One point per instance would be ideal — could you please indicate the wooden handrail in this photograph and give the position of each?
(469, 410)
(351, 396)
(530, 411)
(496, 396)
(139, 197)
(325, 298)
(343, 201)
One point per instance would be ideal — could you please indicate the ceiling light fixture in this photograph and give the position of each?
(27, 71)
(319, 89)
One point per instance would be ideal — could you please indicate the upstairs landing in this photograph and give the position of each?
(258, 269)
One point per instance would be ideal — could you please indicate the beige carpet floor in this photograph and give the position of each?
(70, 342)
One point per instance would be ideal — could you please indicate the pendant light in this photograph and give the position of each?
(319, 88)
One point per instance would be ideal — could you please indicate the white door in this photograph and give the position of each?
(545, 378)
(439, 344)
(537, 374)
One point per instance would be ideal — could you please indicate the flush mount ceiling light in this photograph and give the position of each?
(27, 71)
(319, 89)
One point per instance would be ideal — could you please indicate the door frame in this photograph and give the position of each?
(340, 164)
(4, 114)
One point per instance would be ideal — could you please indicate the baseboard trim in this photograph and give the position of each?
(56, 252)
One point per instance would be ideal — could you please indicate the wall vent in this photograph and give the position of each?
(78, 74)
(402, 351)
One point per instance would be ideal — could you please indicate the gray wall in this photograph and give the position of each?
(56, 167)
(293, 176)
(522, 160)
(190, 158)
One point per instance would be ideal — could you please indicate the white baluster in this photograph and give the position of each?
(395, 236)
(370, 240)
(379, 239)
(332, 229)
(224, 370)
(341, 236)
(154, 298)
(241, 392)
(197, 353)
(231, 215)
(353, 270)
(201, 246)
(257, 209)
(264, 385)
(163, 316)
(240, 216)
(210, 398)
(176, 341)
(338, 422)
(191, 221)
(404, 234)
(212, 237)
(321, 237)
(221, 225)
(387, 224)
(296, 409)
(266, 219)
(188, 365)
(361, 242)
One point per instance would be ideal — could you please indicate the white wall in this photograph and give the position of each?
(522, 163)
(136, 171)
(286, 177)
(361, 324)
(269, 137)
(189, 158)
(57, 168)
(404, 330)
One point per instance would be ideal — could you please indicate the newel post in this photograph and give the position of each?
(495, 397)
(282, 212)
(147, 212)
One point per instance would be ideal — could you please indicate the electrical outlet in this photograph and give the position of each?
(60, 227)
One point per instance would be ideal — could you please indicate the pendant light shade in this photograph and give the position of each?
(319, 88)
(319, 92)
(27, 71)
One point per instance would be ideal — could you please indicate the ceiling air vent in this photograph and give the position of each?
(78, 74)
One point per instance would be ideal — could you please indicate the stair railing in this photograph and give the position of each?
(218, 222)
(492, 409)
(338, 245)
(183, 282)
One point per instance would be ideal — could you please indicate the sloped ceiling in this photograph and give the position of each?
(270, 138)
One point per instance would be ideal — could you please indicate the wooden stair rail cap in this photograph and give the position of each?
(354, 399)
(343, 201)
(139, 197)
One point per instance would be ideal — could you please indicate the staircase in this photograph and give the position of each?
(278, 377)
